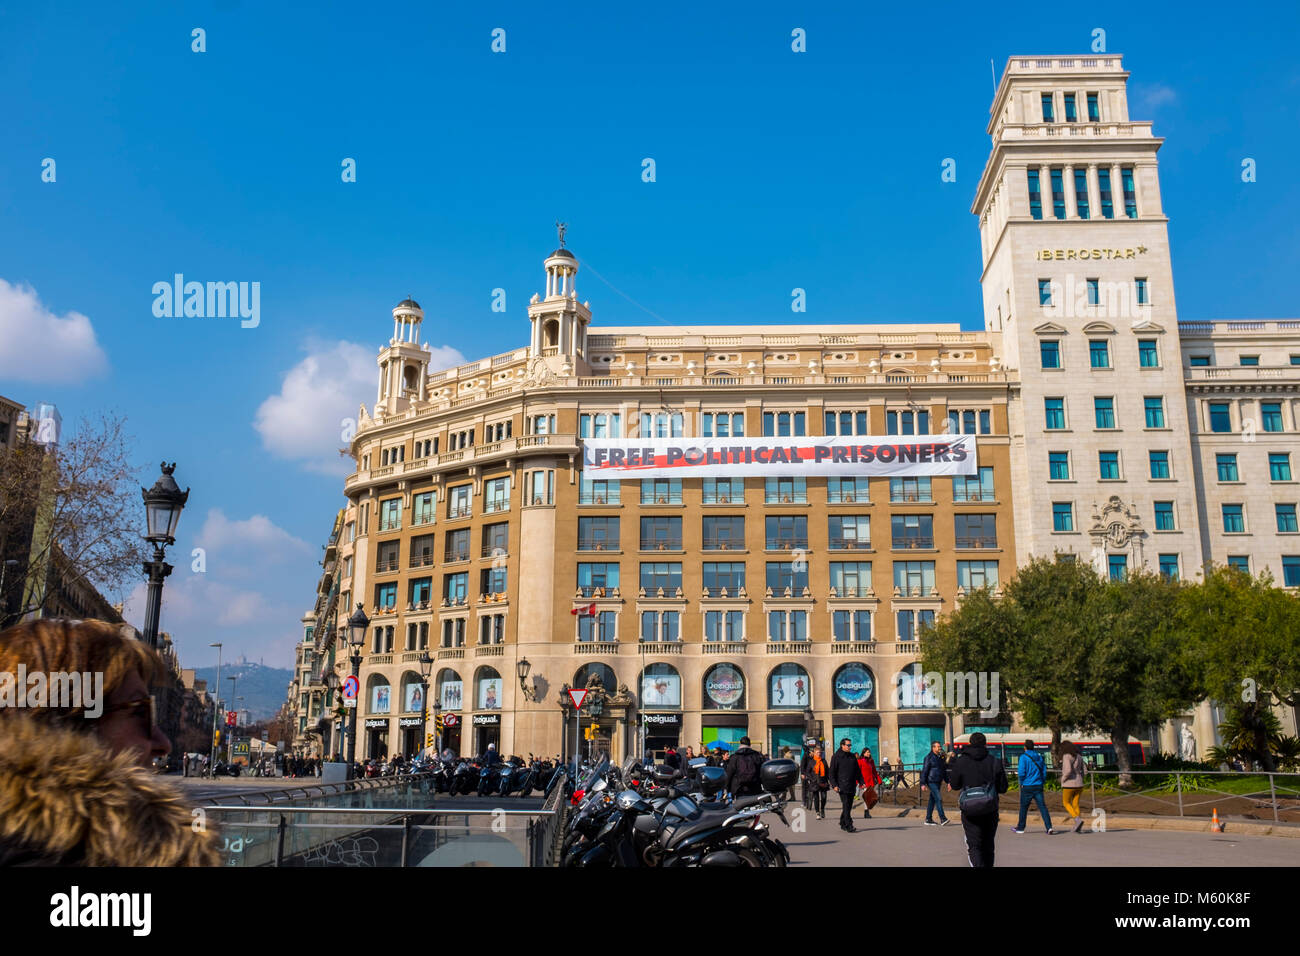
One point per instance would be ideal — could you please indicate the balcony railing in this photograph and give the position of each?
(422, 560)
(848, 498)
(723, 499)
(723, 647)
(852, 591)
(789, 647)
(597, 544)
(494, 549)
(593, 591)
(455, 513)
(496, 505)
(971, 541)
(666, 499)
(791, 498)
(853, 647)
(723, 544)
(737, 591)
(661, 647)
(451, 653)
(910, 496)
(421, 605)
(455, 600)
(456, 554)
(914, 542)
(959, 496)
(848, 544)
(787, 544)
(662, 544)
(595, 647)
(914, 591)
(384, 566)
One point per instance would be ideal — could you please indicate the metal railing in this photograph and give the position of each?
(661, 544)
(913, 542)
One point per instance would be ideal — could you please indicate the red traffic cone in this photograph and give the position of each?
(1215, 825)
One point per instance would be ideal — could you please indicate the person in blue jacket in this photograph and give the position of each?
(1033, 773)
(934, 774)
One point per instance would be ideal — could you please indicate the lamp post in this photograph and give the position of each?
(358, 624)
(331, 688)
(216, 709)
(522, 667)
(426, 667)
(163, 504)
(230, 736)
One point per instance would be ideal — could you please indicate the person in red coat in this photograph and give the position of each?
(870, 778)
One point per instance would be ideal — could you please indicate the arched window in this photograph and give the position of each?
(409, 377)
(487, 689)
(855, 687)
(788, 688)
(603, 671)
(379, 694)
(911, 690)
(661, 686)
(450, 693)
(724, 688)
(551, 335)
(412, 693)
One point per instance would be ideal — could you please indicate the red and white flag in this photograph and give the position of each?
(588, 611)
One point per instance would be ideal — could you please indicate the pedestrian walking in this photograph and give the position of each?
(1072, 782)
(742, 771)
(978, 777)
(1032, 770)
(934, 774)
(870, 780)
(819, 783)
(846, 775)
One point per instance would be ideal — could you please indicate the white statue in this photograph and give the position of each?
(1188, 743)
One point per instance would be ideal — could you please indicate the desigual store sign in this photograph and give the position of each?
(854, 686)
(725, 686)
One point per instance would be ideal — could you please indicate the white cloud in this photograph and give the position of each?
(306, 419)
(1156, 95)
(42, 347)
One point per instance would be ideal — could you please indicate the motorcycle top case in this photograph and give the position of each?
(778, 775)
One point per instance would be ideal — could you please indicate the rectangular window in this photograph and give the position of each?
(786, 532)
(1058, 465)
(1054, 409)
(724, 491)
(783, 424)
(1220, 420)
(1081, 191)
(1271, 413)
(390, 514)
(1044, 291)
(1104, 409)
(389, 553)
(600, 425)
(1159, 464)
(1062, 516)
(910, 489)
(1240, 561)
(455, 587)
(974, 575)
(1071, 115)
(848, 532)
(1058, 192)
(1248, 360)
(1154, 407)
(914, 578)
(422, 550)
(1227, 467)
(598, 491)
(907, 423)
(422, 508)
(496, 539)
(1142, 296)
(1094, 292)
(1279, 466)
(847, 490)
(457, 545)
(724, 533)
(386, 595)
(492, 581)
(598, 534)
(782, 575)
(1094, 111)
(1098, 350)
(722, 425)
(724, 625)
(1046, 100)
(844, 423)
(496, 495)
(1107, 197)
(719, 575)
(1291, 572)
(593, 578)
(1164, 516)
(1148, 353)
(1234, 520)
(976, 531)
(1117, 565)
(912, 531)
(1286, 521)
(1295, 359)
(661, 534)
(1169, 567)
(1198, 361)
(661, 574)
(1130, 193)
(1051, 353)
(974, 487)
(1108, 465)
(661, 425)
(458, 502)
(1035, 195)
(785, 491)
(851, 579)
(661, 491)
(602, 627)
(911, 623)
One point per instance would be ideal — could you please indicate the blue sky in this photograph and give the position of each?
(774, 170)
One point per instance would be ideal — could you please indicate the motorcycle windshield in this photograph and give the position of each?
(597, 773)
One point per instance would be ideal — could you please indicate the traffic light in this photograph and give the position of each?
(437, 722)
(216, 738)
(428, 740)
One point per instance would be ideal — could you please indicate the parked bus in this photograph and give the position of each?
(1098, 752)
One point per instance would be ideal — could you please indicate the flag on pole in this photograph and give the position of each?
(588, 611)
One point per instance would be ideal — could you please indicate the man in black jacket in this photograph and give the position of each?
(934, 774)
(845, 776)
(742, 770)
(976, 767)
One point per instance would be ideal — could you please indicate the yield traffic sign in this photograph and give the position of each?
(578, 697)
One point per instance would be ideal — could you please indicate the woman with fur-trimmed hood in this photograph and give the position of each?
(76, 784)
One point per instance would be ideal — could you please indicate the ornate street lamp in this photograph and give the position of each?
(357, 626)
(163, 504)
(426, 668)
(522, 667)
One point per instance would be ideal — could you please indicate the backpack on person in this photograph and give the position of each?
(748, 764)
(982, 800)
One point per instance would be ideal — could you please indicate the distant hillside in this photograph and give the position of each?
(263, 688)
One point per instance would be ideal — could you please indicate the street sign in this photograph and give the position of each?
(350, 687)
(578, 697)
(449, 720)
(265, 736)
(349, 702)
(230, 718)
